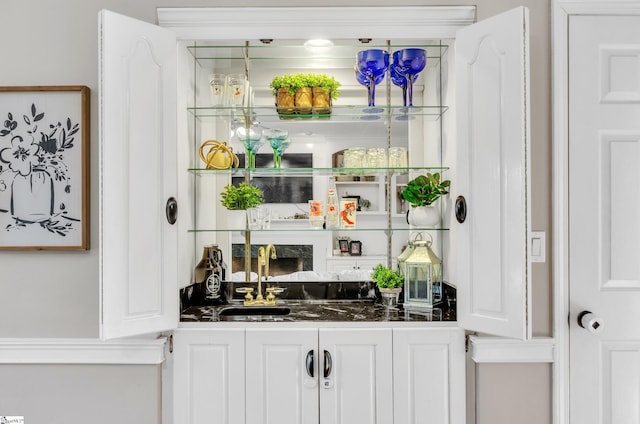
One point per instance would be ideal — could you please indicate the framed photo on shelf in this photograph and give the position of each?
(344, 246)
(355, 248)
(44, 168)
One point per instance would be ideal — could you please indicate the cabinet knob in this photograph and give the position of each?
(461, 209)
(171, 210)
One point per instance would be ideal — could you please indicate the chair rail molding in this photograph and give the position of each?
(501, 350)
(82, 351)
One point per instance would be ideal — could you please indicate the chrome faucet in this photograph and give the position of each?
(263, 263)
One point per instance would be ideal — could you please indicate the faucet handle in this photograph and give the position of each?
(248, 297)
(271, 297)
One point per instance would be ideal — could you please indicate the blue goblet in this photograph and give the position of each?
(409, 63)
(372, 63)
(252, 140)
(364, 80)
(400, 81)
(279, 141)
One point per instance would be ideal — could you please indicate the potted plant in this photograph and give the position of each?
(240, 198)
(389, 283)
(421, 193)
(295, 92)
(325, 90)
(284, 87)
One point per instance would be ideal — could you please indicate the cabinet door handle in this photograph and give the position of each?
(328, 364)
(461, 209)
(309, 363)
(171, 210)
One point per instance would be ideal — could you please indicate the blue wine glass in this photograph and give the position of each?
(252, 140)
(364, 80)
(372, 64)
(279, 141)
(409, 63)
(400, 81)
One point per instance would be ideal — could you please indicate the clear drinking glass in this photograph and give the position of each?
(398, 157)
(236, 86)
(218, 88)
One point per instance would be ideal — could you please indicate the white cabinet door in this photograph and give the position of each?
(356, 383)
(208, 376)
(492, 170)
(354, 263)
(428, 375)
(138, 246)
(281, 376)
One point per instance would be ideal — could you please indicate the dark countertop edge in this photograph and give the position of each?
(317, 324)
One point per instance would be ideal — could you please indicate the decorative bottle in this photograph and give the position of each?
(209, 275)
(333, 213)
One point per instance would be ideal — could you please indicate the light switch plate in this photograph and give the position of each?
(537, 246)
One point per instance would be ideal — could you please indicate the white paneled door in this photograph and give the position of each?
(138, 240)
(604, 218)
(492, 174)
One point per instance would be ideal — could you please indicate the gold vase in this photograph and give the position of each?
(304, 100)
(285, 102)
(321, 101)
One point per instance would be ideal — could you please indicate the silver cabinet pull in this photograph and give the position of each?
(309, 363)
(328, 364)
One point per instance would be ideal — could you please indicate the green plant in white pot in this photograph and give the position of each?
(389, 283)
(422, 193)
(240, 198)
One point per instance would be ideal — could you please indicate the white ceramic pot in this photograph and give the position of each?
(424, 216)
(237, 219)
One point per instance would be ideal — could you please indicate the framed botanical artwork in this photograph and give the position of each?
(44, 168)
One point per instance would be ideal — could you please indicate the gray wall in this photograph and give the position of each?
(55, 294)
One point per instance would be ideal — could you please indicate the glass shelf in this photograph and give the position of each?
(285, 50)
(303, 226)
(346, 113)
(317, 172)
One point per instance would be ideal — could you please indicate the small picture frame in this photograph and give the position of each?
(355, 248)
(344, 246)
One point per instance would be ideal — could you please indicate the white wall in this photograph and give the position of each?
(55, 294)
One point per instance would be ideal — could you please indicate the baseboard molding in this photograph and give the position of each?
(82, 351)
(500, 350)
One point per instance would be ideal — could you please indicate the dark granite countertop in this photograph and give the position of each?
(325, 302)
(325, 311)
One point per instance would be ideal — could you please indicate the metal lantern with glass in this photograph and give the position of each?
(423, 277)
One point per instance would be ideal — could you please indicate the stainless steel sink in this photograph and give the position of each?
(253, 313)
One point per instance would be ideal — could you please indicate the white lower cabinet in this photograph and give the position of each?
(428, 375)
(281, 388)
(208, 376)
(327, 376)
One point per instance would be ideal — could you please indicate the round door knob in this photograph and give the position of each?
(590, 322)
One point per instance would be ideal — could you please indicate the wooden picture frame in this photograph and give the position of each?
(44, 168)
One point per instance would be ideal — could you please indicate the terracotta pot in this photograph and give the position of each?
(321, 101)
(304, 100)
(285, 102)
